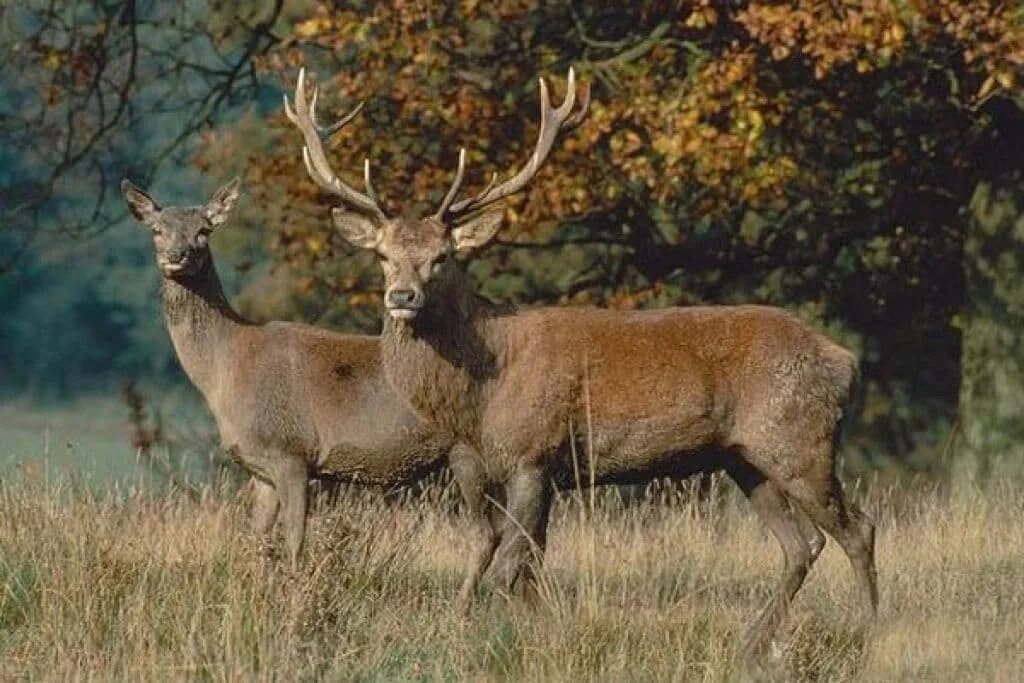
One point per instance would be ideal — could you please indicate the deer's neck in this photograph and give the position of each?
(201, 323)
(443, 359)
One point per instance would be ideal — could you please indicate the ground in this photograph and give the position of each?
(127, 584)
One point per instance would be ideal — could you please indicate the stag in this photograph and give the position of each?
(290, 400)
(749, 390)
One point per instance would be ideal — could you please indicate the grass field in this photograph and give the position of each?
(90, 438)
(130, 587)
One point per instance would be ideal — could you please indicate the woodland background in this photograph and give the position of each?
(856, 162)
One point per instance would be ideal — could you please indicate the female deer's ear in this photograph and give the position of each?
(478, 231)
(143, 207)
(219, 208)
(358, 230)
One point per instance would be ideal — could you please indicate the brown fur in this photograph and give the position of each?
(750, 390)
(297, 390)
(290, 400)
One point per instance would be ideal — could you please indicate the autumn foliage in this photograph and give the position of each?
(812, 153)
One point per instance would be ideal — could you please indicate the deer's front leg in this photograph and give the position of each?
(524, 535)
(471, 476)
(291, 476)
(262, 508)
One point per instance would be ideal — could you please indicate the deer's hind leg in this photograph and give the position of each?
(808, 529)
(800, 541)
(798, 454)
(821, 496)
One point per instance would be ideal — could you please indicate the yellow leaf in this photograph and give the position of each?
(695, 20)
(756, 121)
(310, 27)
(986, 87)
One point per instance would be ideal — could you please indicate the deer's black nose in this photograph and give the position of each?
(401, 298)
(176, 255)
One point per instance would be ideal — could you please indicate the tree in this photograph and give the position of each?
(815, 154)
(806, 152)
(992, 391)
(91, 90)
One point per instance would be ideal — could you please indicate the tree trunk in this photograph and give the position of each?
(992, 365)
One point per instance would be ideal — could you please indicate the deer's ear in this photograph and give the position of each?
(142, 206)
(219, 208)
(478, 231)
(358, 230)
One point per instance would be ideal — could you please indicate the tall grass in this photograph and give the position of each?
(146, 586)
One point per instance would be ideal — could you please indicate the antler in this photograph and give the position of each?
(552, 121)
(304, 117)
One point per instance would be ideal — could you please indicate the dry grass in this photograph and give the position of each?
(156, 587)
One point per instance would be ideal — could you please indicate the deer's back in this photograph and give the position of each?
(647, 353)
(646, 385)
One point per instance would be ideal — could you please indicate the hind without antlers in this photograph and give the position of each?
(749, 390)
(291, 401)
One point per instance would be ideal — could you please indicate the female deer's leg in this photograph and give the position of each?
(524, 533)
(472, 480)
(262, 508)
(772, 508)
(290, 479)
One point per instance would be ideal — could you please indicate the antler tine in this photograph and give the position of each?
(366, 181)
(304, 117)
(570, 96)
(343, 121)
(490, 184)
(337, 125)
(577, 118)
(552, 122)
(454, 189)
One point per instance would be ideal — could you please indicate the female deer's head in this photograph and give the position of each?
(180, 235)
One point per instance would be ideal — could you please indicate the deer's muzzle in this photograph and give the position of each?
(403, 303)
